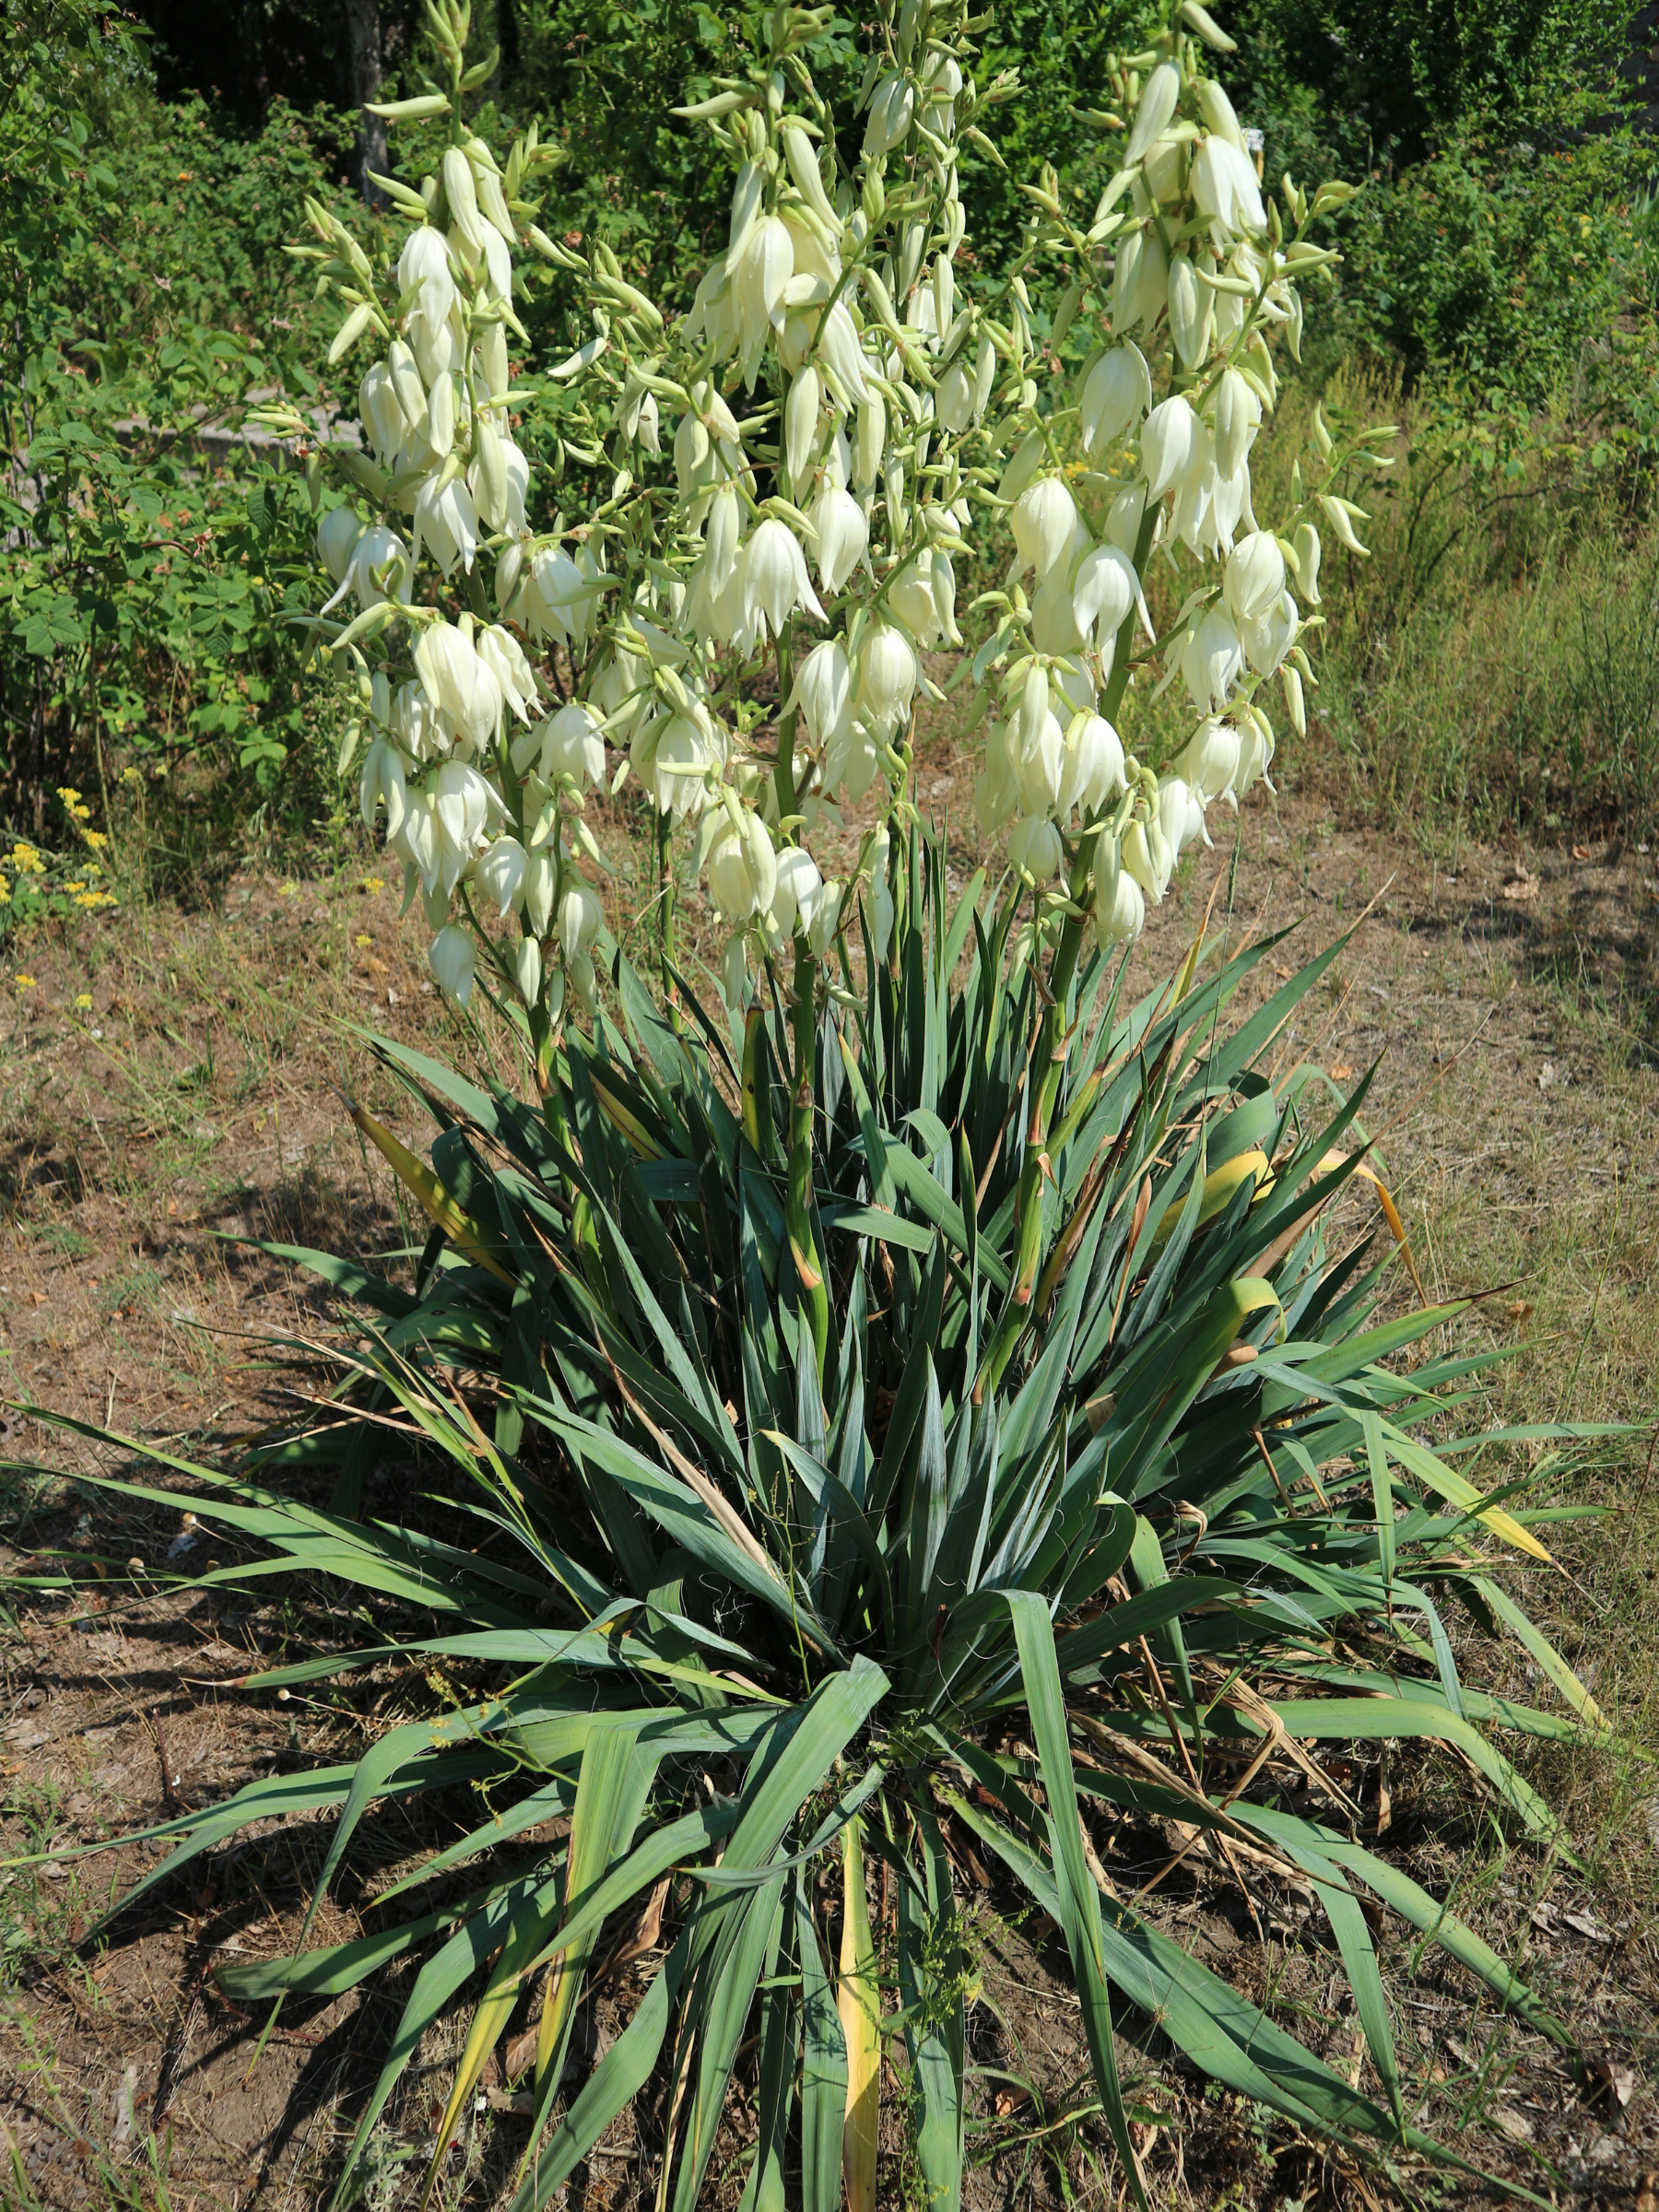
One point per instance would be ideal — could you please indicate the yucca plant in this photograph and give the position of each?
(1085, 1486)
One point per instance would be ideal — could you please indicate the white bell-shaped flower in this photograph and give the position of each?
(1146, 858)
(1092, 775)
(1054, 629)
(425, 262)
(541, 880)
(1238, 418)
(1270, 637)
(886, 677)
(1167, 442)
(1035, 848)
(798, 887)
(381, 412)
(892, 106)
(1209, 761)
(504, 657)
(763, 267)
(1255, 576)
(499, 874)
(527, 970)
(498, 478)
(1115, 395)
(382, 778)
(843, 535)
(1256, 751)
(451, 956)
(910, 597)
(823, 692)
(1120, 906)
(1105, 593)
(337, 535)
(1043, 519)
(446, 523)
(464, 691)
(579, 914)
(378, 559)
(774, 580)
(1179, 814)
(743, 867)
(1191, 312)
(1211, 660)
(1153, 109)
(570, 745)
(1225, 186)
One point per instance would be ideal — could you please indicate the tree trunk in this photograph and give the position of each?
(364, 23)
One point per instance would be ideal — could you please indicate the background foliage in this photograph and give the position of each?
(1500, 272)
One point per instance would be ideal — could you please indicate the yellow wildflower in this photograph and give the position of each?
(83, 1000)
(97, 840)
(25, 983)
(364, 939)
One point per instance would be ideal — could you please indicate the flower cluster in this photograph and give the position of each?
(795, 469)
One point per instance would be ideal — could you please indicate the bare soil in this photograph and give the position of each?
(196, 1103)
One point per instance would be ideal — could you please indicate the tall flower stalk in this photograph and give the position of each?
(796, 467)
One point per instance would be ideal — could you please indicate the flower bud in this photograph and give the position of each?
(541, 878)
(527, 970)
(1306, 543)
(1120, 907)
(337, 535)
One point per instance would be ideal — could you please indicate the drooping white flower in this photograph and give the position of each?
(381, 412)
(1153, 111)
(1146, 858)
(743, 867)
(451, 954)
(579, 914)
(1093, 772)
(910, 597)
(499, 874)
(1210, 763)
(557, 600)
(425, 262)
(892, 105)
(774, 580)
(1255, 576)
(570, 744)
(1238, 418)
(1225, 186)
(886, 677)
(541, 880)
(379, 557)
(1270, 637)
(464, 690)
(1120, 906)
(1191, 312)
(504, 657)
(760, 270)
(1179, 814)
(1105, 593)
(674, 757)
(1034, 846)
(498, 478)
(337, 535)
(1211, 660)
(843, 535)
(1115, 395)
(823, 691)
(527, 970)
(445, 522)
(1043, 519)
(801, 425)
(1167, 442)
(797, 889)
(382, 778)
